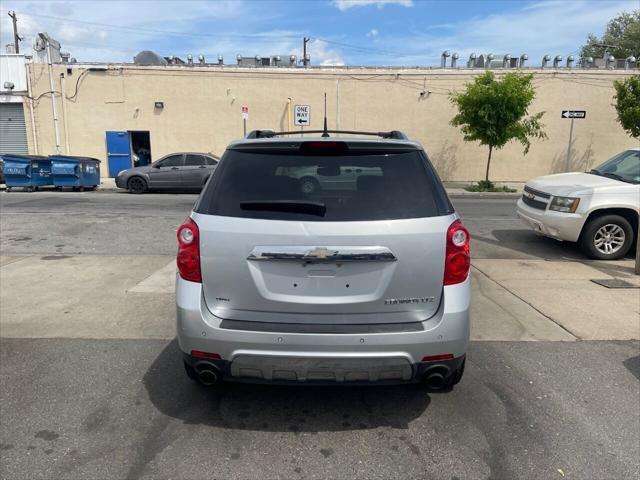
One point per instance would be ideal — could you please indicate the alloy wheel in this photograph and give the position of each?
(136, 185)
(609, 238)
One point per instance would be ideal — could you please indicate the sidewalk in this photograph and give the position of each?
(566, 294)
(132, 297)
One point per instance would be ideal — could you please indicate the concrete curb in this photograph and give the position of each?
(459, 192)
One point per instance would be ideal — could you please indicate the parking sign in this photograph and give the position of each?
(302, 115)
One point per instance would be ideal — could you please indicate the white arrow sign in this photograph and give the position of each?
(574, 113)
(302, 115)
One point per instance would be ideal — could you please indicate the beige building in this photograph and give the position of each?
(198, 108)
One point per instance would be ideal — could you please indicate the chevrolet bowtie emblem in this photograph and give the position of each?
(320, 253)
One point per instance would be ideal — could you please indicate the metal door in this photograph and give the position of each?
(13, 132)
(118, 152)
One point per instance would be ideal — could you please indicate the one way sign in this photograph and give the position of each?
(574, 113)
(302, 115)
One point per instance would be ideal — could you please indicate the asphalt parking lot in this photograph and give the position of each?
(92, 386)
(116, 223)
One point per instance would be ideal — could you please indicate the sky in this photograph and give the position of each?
(341, 32)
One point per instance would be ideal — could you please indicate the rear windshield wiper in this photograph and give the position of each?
(292, 206)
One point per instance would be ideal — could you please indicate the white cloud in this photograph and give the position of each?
(542, 28)
(142, 25)
(373, 33)
(322, 54)
(347, 4)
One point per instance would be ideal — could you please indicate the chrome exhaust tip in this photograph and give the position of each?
(435, 379)
(208, 374)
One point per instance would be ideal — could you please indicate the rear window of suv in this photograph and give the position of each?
(284, 186)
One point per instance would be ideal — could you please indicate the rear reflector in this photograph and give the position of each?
(199, 354)
(438, 358)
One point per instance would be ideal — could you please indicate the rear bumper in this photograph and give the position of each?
(558, 225)
(321, 372)
(324, 357)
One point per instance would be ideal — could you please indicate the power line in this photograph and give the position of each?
(166, 32)
(368, 49)
(274, 37)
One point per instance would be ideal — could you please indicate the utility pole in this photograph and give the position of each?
(305, 40)
(16, 37)
(638, 252)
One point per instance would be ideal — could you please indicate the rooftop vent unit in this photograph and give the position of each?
(173, 60)
(220, 60)
(454, 60)
(443, 58)
(190, 60)
(293, 60)
(523, 58)
(256, 61)
(629, 62)
(147, 57)
(570, 60)
(471, 63)
(557, 61)
(545, 61)
(201, 59)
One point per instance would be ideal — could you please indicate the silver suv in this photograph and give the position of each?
(364, 283)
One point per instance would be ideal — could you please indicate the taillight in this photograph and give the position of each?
(189, 251)
(457, 260)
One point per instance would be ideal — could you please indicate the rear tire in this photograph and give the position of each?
(608, 237)
(137, 185)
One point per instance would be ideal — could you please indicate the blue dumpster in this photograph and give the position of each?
(27, 171)
(76, 172)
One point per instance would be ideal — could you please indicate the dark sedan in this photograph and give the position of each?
(176, 171)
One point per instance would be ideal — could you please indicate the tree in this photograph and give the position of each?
(622, 34)
(493, 112)
(628, 104)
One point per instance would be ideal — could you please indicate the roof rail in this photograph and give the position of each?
(394, 134)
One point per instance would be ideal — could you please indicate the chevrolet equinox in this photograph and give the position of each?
(362, 279)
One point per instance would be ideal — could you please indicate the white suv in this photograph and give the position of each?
(598, 209)
(364, 283)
